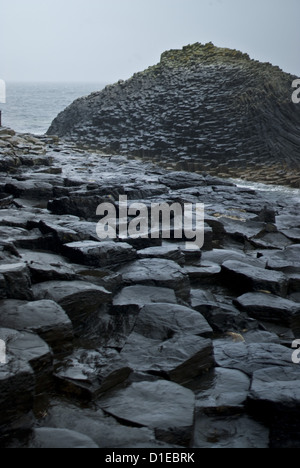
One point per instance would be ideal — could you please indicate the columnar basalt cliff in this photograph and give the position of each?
(201, 108)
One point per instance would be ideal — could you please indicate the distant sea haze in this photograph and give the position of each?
(31, 107)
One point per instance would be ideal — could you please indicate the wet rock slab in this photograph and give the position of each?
(167, 252)
(49, 438)
(269, 308)
(227, 392)
(161, 321)
(163, 406)
(17, 391)
(45, 318)
(30, 348)
(135, 297)
(87, 374)
(161, 273)
(99, 254)
(43, 272)
(275, 389)
(245, 278)
(15, 282)
(30, 188)
(274, 398)
(78, 298)
(179, 359)
(221, 317)
(104, 430)
(249, 358)
(232, 432)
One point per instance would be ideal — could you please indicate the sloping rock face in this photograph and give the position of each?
(201, 108)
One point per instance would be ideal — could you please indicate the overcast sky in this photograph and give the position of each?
(106, 40)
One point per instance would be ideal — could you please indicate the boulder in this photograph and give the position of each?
(275, 390)
(221, 317)
(48, 438)
(249, 358)
(240, 432)
(135, 297)
(222, 256)
(157, 272)
(168, 252)
(275, 399)
(15, 282)
(163, 406)
(109, 280)
(45, 318)
(61, 234)
(269, 308)
(244, 278)
(87, 374)
(99, 254)
(30, 189)
(180, 358)
(104, 430)
(43, 272)
(77, 204)
(226, 392)
(162, 321)
(32, 349)
(204, 273)
(79, 299)
(182, 180)
(17, 390)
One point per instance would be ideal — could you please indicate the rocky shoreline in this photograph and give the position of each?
(142, 343)
(200, 109)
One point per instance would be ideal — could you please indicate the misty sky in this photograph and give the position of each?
(107, 40)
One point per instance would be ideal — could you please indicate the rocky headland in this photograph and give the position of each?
(141, 343)
(201, 109)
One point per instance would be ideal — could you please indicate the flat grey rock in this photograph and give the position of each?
(138, 296)
(180, 358)
(79, 299)
(43, 272)
(161, 273)
(48, 438)
(246, 278)
(29, 188)
(45, 318)
(17, 390)
(238, 432)
(30, 348)
(160, 321)
(87, 374)
(275, 389)
(204, 272)
(163, 406)
(269, 308)
(104, 430)
(168, 252)
(221, 256)
(99, 254)
(15, 282)
(227, 392)
(252, 357)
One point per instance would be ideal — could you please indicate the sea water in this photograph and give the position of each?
(31, 107)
